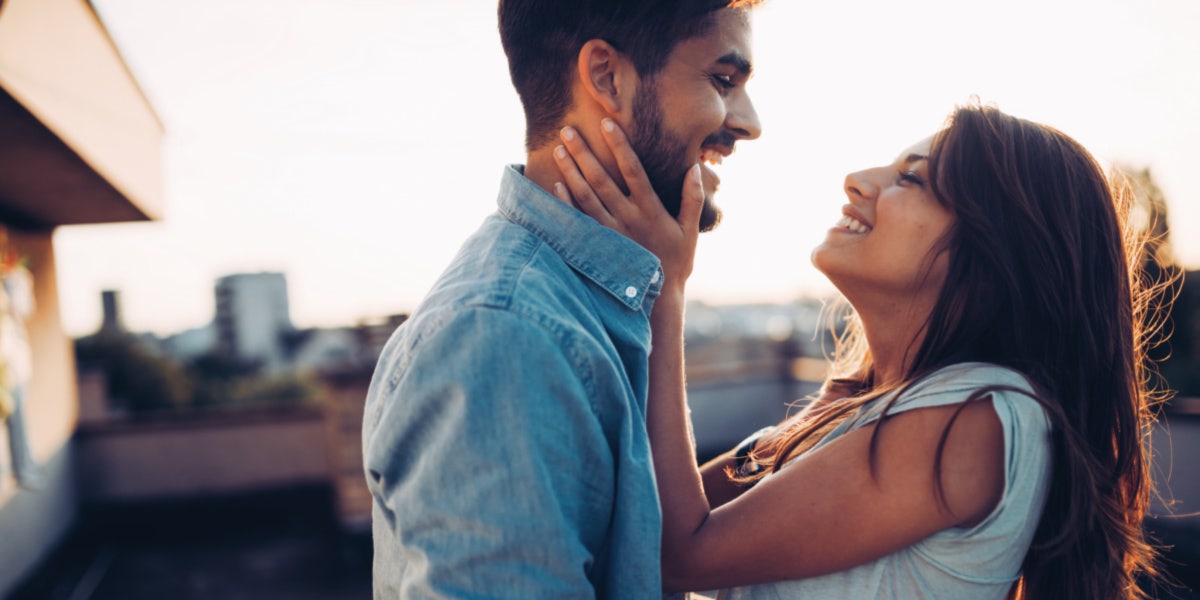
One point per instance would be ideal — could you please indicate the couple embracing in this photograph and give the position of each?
(980, 434)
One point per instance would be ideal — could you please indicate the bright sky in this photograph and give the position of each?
(353, 144)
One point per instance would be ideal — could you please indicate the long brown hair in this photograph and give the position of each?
(1043, 277)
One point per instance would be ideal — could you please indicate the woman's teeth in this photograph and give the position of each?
(711, 157)
(853, 225)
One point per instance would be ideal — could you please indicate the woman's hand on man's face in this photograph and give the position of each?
(640, 215)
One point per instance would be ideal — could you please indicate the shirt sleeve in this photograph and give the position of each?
(491, 475)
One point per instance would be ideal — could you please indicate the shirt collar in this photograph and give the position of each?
(612, 261)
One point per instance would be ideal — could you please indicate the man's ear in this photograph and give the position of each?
(607, 76)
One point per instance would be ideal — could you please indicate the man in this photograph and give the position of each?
(504, 438)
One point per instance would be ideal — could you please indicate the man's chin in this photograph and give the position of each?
(710, 215)
(670, 192)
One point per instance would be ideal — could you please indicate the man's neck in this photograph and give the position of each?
(541, 169)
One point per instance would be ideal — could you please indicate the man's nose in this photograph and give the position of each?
(742, 119)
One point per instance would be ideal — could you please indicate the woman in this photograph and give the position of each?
(981, 433)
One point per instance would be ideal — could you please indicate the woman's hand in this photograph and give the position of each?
(640, 215)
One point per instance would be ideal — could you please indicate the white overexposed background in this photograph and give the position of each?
(353, 144)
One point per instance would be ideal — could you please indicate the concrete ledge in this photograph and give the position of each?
(207, 456)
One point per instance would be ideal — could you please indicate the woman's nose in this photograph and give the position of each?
(859, 184)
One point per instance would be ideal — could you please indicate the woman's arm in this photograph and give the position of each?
(718, 488)
(640, 216)
(841, 505)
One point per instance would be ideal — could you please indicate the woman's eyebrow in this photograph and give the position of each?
(914, 157)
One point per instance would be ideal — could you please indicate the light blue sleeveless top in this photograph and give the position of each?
(957, 563)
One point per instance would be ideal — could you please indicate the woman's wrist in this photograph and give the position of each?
(671, 295)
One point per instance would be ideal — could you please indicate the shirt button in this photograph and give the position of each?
(654, 278)
(630, 292)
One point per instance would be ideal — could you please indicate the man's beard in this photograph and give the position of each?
(664, 155)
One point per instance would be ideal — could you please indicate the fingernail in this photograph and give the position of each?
(608, 125)
(560, 152)
(568, 133)
(696, 174)
(560, 189)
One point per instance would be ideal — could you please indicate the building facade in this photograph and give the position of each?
(252, 318)
(79, 143)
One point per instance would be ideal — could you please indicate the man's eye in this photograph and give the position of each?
(723, 82)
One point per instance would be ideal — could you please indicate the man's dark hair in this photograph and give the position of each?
(542, 39)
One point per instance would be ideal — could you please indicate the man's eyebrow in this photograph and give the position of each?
(737, 61)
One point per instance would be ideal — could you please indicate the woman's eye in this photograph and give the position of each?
(911, 177)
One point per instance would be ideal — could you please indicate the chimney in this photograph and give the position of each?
(112, 312)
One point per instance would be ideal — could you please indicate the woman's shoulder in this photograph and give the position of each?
(960, 382)
(967, 375)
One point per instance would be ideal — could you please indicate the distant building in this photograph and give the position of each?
(252, 325)
(253, 319)
(325, 349)
(190, 344)
(799, 321)
(341, 350)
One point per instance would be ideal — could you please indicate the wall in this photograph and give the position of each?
(33, 522)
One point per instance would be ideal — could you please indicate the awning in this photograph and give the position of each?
(79, 141)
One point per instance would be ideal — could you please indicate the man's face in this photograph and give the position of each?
(695, 109)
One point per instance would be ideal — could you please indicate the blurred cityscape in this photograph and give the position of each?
(224, 461)
(228, 456)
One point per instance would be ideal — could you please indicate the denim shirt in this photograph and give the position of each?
(504, 437)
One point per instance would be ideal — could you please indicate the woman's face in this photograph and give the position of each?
(885, 241)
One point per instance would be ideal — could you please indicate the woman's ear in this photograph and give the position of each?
(607, 76)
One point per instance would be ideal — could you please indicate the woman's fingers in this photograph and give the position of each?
(579, 190)
(693, 203)
(602, 184)
(638, 214)
(640, 190)
(560, 192)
